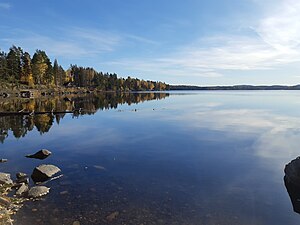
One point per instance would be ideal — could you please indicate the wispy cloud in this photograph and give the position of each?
(164, 67)
(99, 40)
(5, 5)
(73, 42)
(141, 39)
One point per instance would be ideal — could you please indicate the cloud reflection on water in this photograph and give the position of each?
(275, 133)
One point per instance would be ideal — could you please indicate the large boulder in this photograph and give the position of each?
(292, 171)
(5, 178)
(42, 154)
(44, 172)
(38, 191)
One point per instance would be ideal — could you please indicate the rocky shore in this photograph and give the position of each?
(14, 192)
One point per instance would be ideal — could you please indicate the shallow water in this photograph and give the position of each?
(172, 158)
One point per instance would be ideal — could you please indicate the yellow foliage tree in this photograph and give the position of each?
(26, 74)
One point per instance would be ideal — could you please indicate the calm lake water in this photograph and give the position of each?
(189, 158)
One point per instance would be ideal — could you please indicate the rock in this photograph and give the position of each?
(5, 178)
(294, 193)
(112, 216)
(99, 167)
(23, 189)
(44, 172)
(63, 192)
(292, 182)
(38, 191)
(22, 178)
(21, 175)
(42, 154)
(292, 171)
(76, 222)
(3, 160)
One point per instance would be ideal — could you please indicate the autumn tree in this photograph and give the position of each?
(39, 67)
(26, 72)
(48, 77)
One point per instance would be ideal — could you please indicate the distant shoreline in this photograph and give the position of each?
(233, 88)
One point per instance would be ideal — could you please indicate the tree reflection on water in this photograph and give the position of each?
(21, 124)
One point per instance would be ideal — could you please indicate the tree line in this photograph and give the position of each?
(17, 66)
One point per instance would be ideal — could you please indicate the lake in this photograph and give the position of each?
(210, 157)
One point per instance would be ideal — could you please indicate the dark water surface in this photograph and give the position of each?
(166, 158)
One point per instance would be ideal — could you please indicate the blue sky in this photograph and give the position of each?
(198, 42)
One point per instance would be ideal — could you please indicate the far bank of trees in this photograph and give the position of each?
(19, 67)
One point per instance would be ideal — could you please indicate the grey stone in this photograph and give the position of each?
(44, 172)
(38, 191)
(42, 154)
(5, 178)
(23, 189)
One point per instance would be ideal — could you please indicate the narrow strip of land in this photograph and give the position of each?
(235, 87)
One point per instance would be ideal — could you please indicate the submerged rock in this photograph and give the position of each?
(44, 172)
(38, 191)
(292, 171)
(112, 216)
(3, 160)
(99, 167)
(42, 154)
(5, 178)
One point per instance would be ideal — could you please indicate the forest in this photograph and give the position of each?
(18, 67)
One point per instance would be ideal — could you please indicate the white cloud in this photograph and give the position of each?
(271, 42)
(4, 5)
(280, 27)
